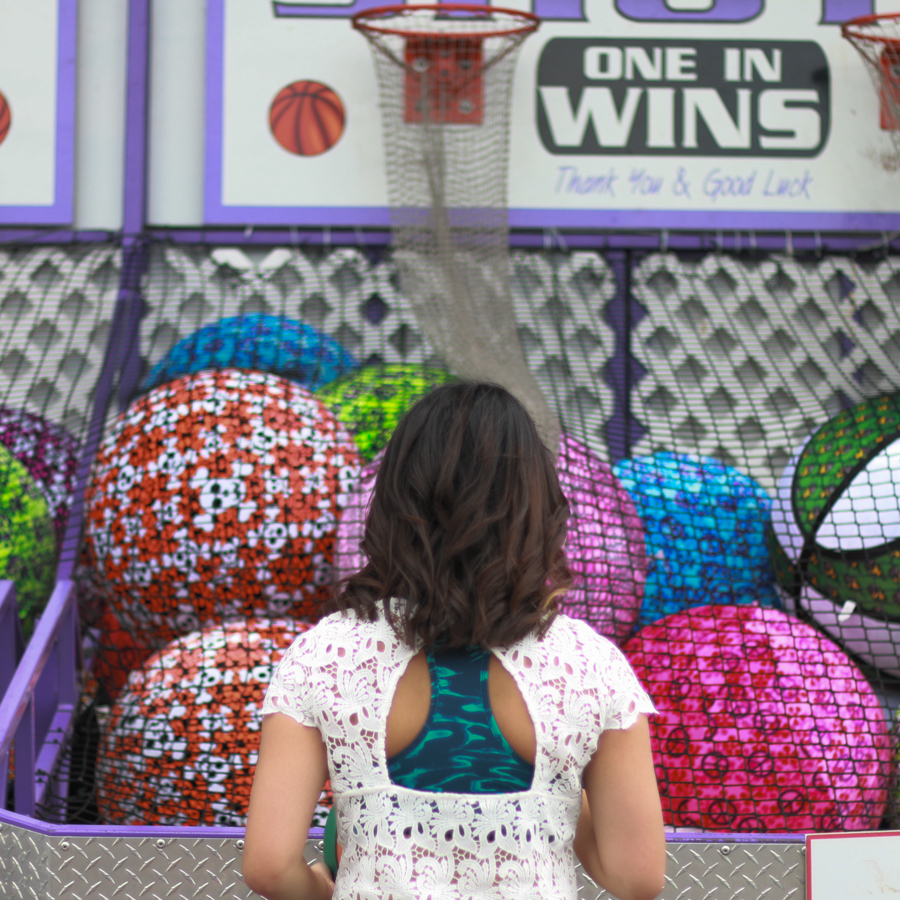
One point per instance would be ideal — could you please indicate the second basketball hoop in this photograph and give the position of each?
(877, 38)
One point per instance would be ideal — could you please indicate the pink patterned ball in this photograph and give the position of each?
(606, 548)
(764, 724)
(605, 544)
(348, 558)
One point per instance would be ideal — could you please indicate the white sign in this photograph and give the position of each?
(853, 866)
(37, 111)
(724, 114)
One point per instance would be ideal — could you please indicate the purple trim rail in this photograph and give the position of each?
(38, 708)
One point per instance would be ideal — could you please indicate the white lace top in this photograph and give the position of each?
(402, 844)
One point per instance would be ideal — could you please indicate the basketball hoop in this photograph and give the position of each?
(877, 38)
(445, 77)
(444, 54)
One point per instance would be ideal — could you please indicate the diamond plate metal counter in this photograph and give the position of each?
(24, 864)
(720, 871)
(171, 868)
(62, 866)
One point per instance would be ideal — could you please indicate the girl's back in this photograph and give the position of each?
(352, 681)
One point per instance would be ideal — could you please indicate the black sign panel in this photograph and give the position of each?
(683, 97)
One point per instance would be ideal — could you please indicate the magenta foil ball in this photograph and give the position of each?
(605, 544)
(348, 558)
(763, 725)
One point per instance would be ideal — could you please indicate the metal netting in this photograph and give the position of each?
(445, 80)
(770, 646)
(56, 306)
(877, 38)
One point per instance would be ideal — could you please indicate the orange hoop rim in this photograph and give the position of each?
(850, 32)
(368, 20)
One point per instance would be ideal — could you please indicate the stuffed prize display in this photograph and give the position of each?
(835, 536)
(605, 544)
(218, 495)
(372, 401)
(49, 453)
(180, 744)
(763, 724)
(705, 524)
(27, 539)
(259, 342)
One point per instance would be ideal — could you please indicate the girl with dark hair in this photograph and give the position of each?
(474, 737)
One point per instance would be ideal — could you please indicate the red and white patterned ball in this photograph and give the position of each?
(605, 544)
(181, 742)
(764, 724)
(218, 495)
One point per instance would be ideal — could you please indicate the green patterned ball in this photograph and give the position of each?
(27, 539)
(371, 401)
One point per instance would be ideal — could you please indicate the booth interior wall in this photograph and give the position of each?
(725, 363)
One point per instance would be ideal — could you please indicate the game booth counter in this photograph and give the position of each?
(638, 217)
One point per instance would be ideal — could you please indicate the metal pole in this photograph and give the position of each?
(122, 362)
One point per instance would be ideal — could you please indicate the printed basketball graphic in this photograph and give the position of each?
(307, 118)
(5, 118)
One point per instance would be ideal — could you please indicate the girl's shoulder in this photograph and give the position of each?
(571, 653)
(346, 639)
(573, 641)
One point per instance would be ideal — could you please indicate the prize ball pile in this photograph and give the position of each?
(229, 500)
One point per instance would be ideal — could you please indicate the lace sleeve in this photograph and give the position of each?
(291, 691)
(627, 698)
(622, 697)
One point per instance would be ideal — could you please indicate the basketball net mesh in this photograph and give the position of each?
(877, 39)
(445, 84)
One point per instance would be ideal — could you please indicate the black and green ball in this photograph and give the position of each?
(835, 539)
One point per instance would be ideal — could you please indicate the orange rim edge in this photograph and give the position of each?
(848, 29)
(367, 20)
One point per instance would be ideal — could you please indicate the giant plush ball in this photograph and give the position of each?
(181, 742)
(259, 342)
(372, 401)
(705, 524)
(605, 543)
(763, 724)
(895, 780)
(217, 495)
(27, 539)
(835, 537)
(49, 453)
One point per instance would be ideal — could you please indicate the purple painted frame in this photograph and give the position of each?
(38, 708)
(216, 213)
(61, 210)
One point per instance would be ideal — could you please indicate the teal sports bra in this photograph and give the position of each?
(460, 748)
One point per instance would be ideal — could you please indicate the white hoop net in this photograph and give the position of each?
(445, 80)
(877, 38)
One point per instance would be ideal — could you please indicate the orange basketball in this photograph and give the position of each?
(5, 118)
(307, 118)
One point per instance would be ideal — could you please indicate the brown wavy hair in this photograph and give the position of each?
(466, 525)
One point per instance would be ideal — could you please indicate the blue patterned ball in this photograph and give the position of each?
(705, 528)
(261, 342)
